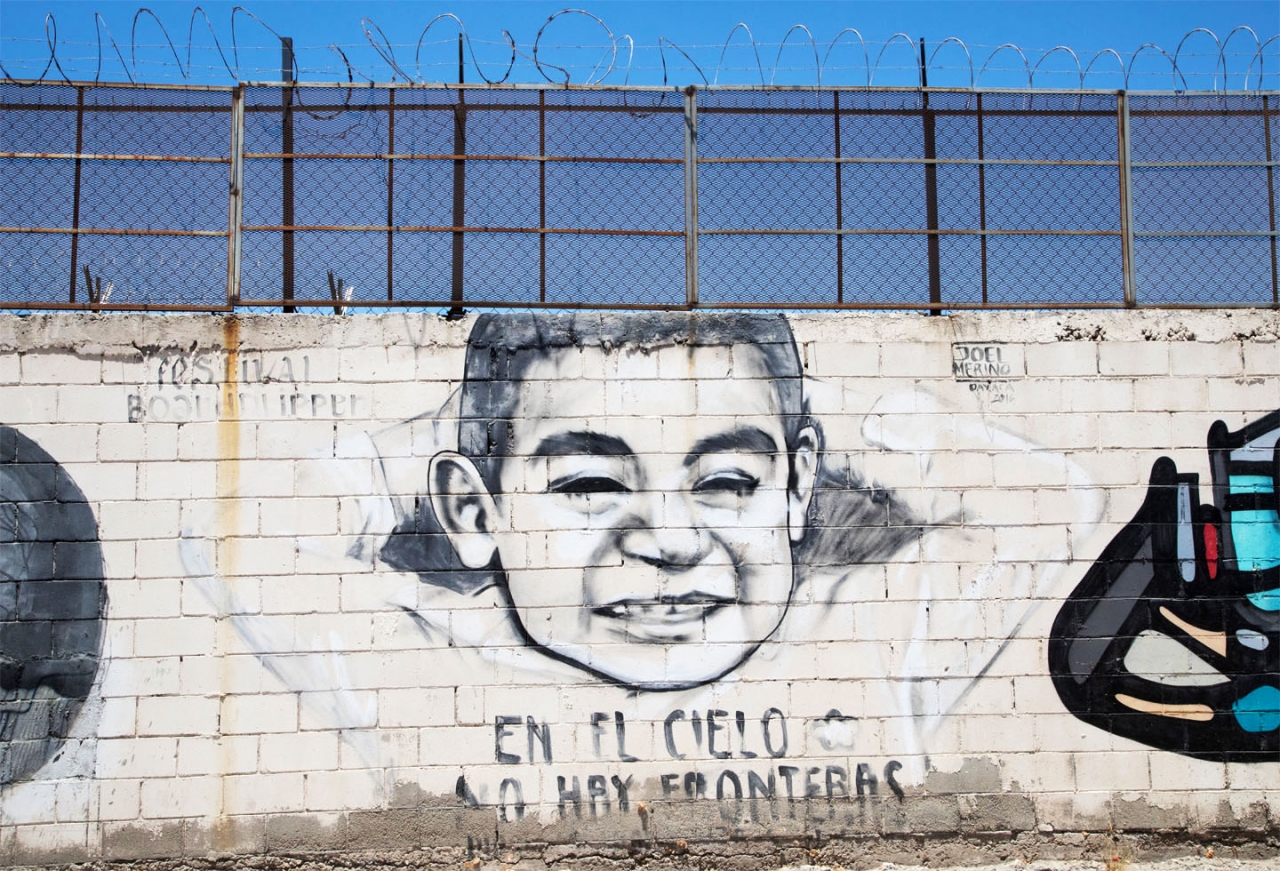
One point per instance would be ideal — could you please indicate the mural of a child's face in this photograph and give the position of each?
(644, 526)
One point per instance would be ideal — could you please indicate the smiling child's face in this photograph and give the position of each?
(645, 526)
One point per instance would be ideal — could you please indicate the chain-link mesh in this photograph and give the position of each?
(896, 198)
(450, 197)
(1204, 199)
(475, 197)
(114, 195)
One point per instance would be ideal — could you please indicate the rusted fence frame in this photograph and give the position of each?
(1268, 164)
(458, 158)
(931, 232)
(75, 231)
(459, 228)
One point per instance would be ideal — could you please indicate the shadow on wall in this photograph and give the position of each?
(52, 603)
(1173, 636)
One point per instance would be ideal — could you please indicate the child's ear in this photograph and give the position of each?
(804, 472)
(464, 508)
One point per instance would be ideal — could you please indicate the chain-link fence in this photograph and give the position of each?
(333, 198)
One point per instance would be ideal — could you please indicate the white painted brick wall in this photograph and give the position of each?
(268, 653)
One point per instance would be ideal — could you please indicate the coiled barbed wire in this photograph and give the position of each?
(618, 54)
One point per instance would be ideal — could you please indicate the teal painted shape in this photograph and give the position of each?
(1267, 600)
(1252, 484)
(1259, 711)
(1256, 535)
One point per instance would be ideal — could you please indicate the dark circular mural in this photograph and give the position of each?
(52, 604)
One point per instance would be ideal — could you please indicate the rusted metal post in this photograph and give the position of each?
(75, 191)
(391, 186)
(982, 198)
(286, 177)
(930, 189)
(459, 189)
(1126, 199)
(691, 196)
(235, 200)
(839, 207)
(542, 196)
(1271, 200)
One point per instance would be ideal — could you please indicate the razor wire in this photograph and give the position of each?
(1238, 61)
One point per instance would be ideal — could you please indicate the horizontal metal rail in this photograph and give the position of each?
(167, 158)
(899, 231)
(376, 228)
(109, 231)
(505, 158)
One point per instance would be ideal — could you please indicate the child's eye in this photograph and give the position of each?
(735, 483)
(588, 484)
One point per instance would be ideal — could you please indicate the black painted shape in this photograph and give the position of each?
(52, 604)
(1136, 584)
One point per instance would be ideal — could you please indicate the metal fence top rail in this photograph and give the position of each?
(652, 89)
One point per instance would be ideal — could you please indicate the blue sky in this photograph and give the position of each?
(699, 28)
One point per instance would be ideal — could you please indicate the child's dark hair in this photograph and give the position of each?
(503, 347)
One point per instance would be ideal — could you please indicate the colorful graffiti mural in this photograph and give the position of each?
(1173, 636)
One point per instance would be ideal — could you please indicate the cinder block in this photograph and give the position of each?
(60, 367)
(840, 359)
(915, 360)
(1170, 394)
(136, 519)
(226, 754)
(66, 443)
(299, 751)
(136, 758)
(1203, 358)
(133, 441)
(396, 403)
(332, 477)
(1100, 395)
(340, 790)
(159, 558)
(1261, 358)
(415, 707)
(118, 799)
(1133, 358)
(295, 439)
(1062, 359)
(396, 363)
(119, 718)
(182, 636)
(50, 843)
(301, 594)
(90, 404)
(359, 710)
(148, 598)
(177, 715)
(256, 556)
(30, 405)
(100, 481)
(1170, 773)
(1134, 430)
(185, 480)
(275, 712)
(9, 369)
(262, 793)
(283, 517)
(181, 797)
(1253, 394)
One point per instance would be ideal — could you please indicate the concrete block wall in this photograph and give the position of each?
(501, 585)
